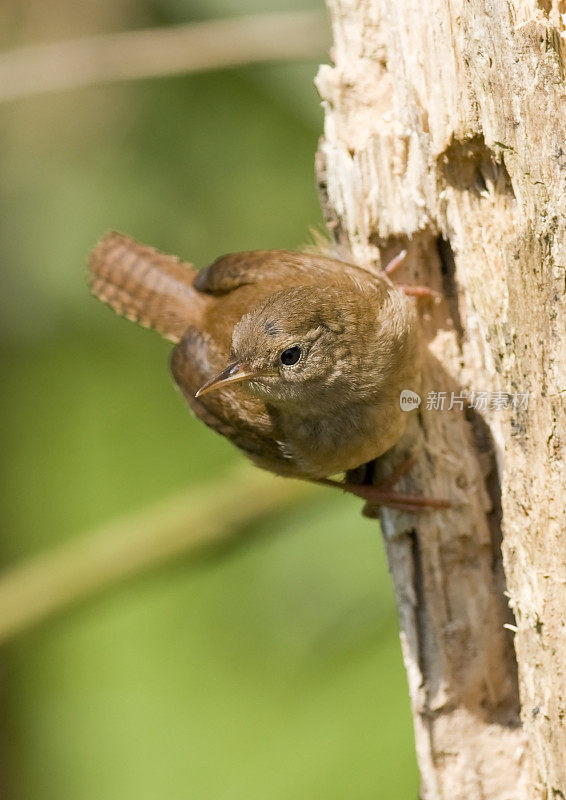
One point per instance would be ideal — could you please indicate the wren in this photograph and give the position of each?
(298, 359)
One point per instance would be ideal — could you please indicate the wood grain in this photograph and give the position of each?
(445, 133)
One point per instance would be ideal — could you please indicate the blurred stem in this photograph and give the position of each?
(184, 525)
(37, 69)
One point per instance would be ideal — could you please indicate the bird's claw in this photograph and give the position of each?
(382, 494)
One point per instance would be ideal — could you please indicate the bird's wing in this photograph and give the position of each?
(281, 268)
(243, 419)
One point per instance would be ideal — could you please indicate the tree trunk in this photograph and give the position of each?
(445, 134)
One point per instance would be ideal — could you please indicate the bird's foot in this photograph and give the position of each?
(420, 291)
(410, 291)
(383, 494)
(396, 262)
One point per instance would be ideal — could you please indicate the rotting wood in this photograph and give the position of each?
(445, 132)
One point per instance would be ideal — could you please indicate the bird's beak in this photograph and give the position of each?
(234, 373)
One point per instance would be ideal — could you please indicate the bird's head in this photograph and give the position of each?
(304, 347)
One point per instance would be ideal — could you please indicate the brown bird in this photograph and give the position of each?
(297, 358)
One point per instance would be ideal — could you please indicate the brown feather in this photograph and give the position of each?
(338, 409)
(144, 285)
(234, 413)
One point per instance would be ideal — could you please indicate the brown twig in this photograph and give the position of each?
(195, 47)
(184, 525)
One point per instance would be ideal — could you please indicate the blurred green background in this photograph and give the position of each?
(268, 673)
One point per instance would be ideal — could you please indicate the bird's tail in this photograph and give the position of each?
(144, 285)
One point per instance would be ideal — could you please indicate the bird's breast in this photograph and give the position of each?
(325, 445)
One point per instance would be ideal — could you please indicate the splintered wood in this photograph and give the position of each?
(445, 133)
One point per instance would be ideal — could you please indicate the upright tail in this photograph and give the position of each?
(144, 285)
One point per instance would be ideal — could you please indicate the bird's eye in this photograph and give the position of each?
(290, 356)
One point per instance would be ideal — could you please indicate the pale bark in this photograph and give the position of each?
(445, 133)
